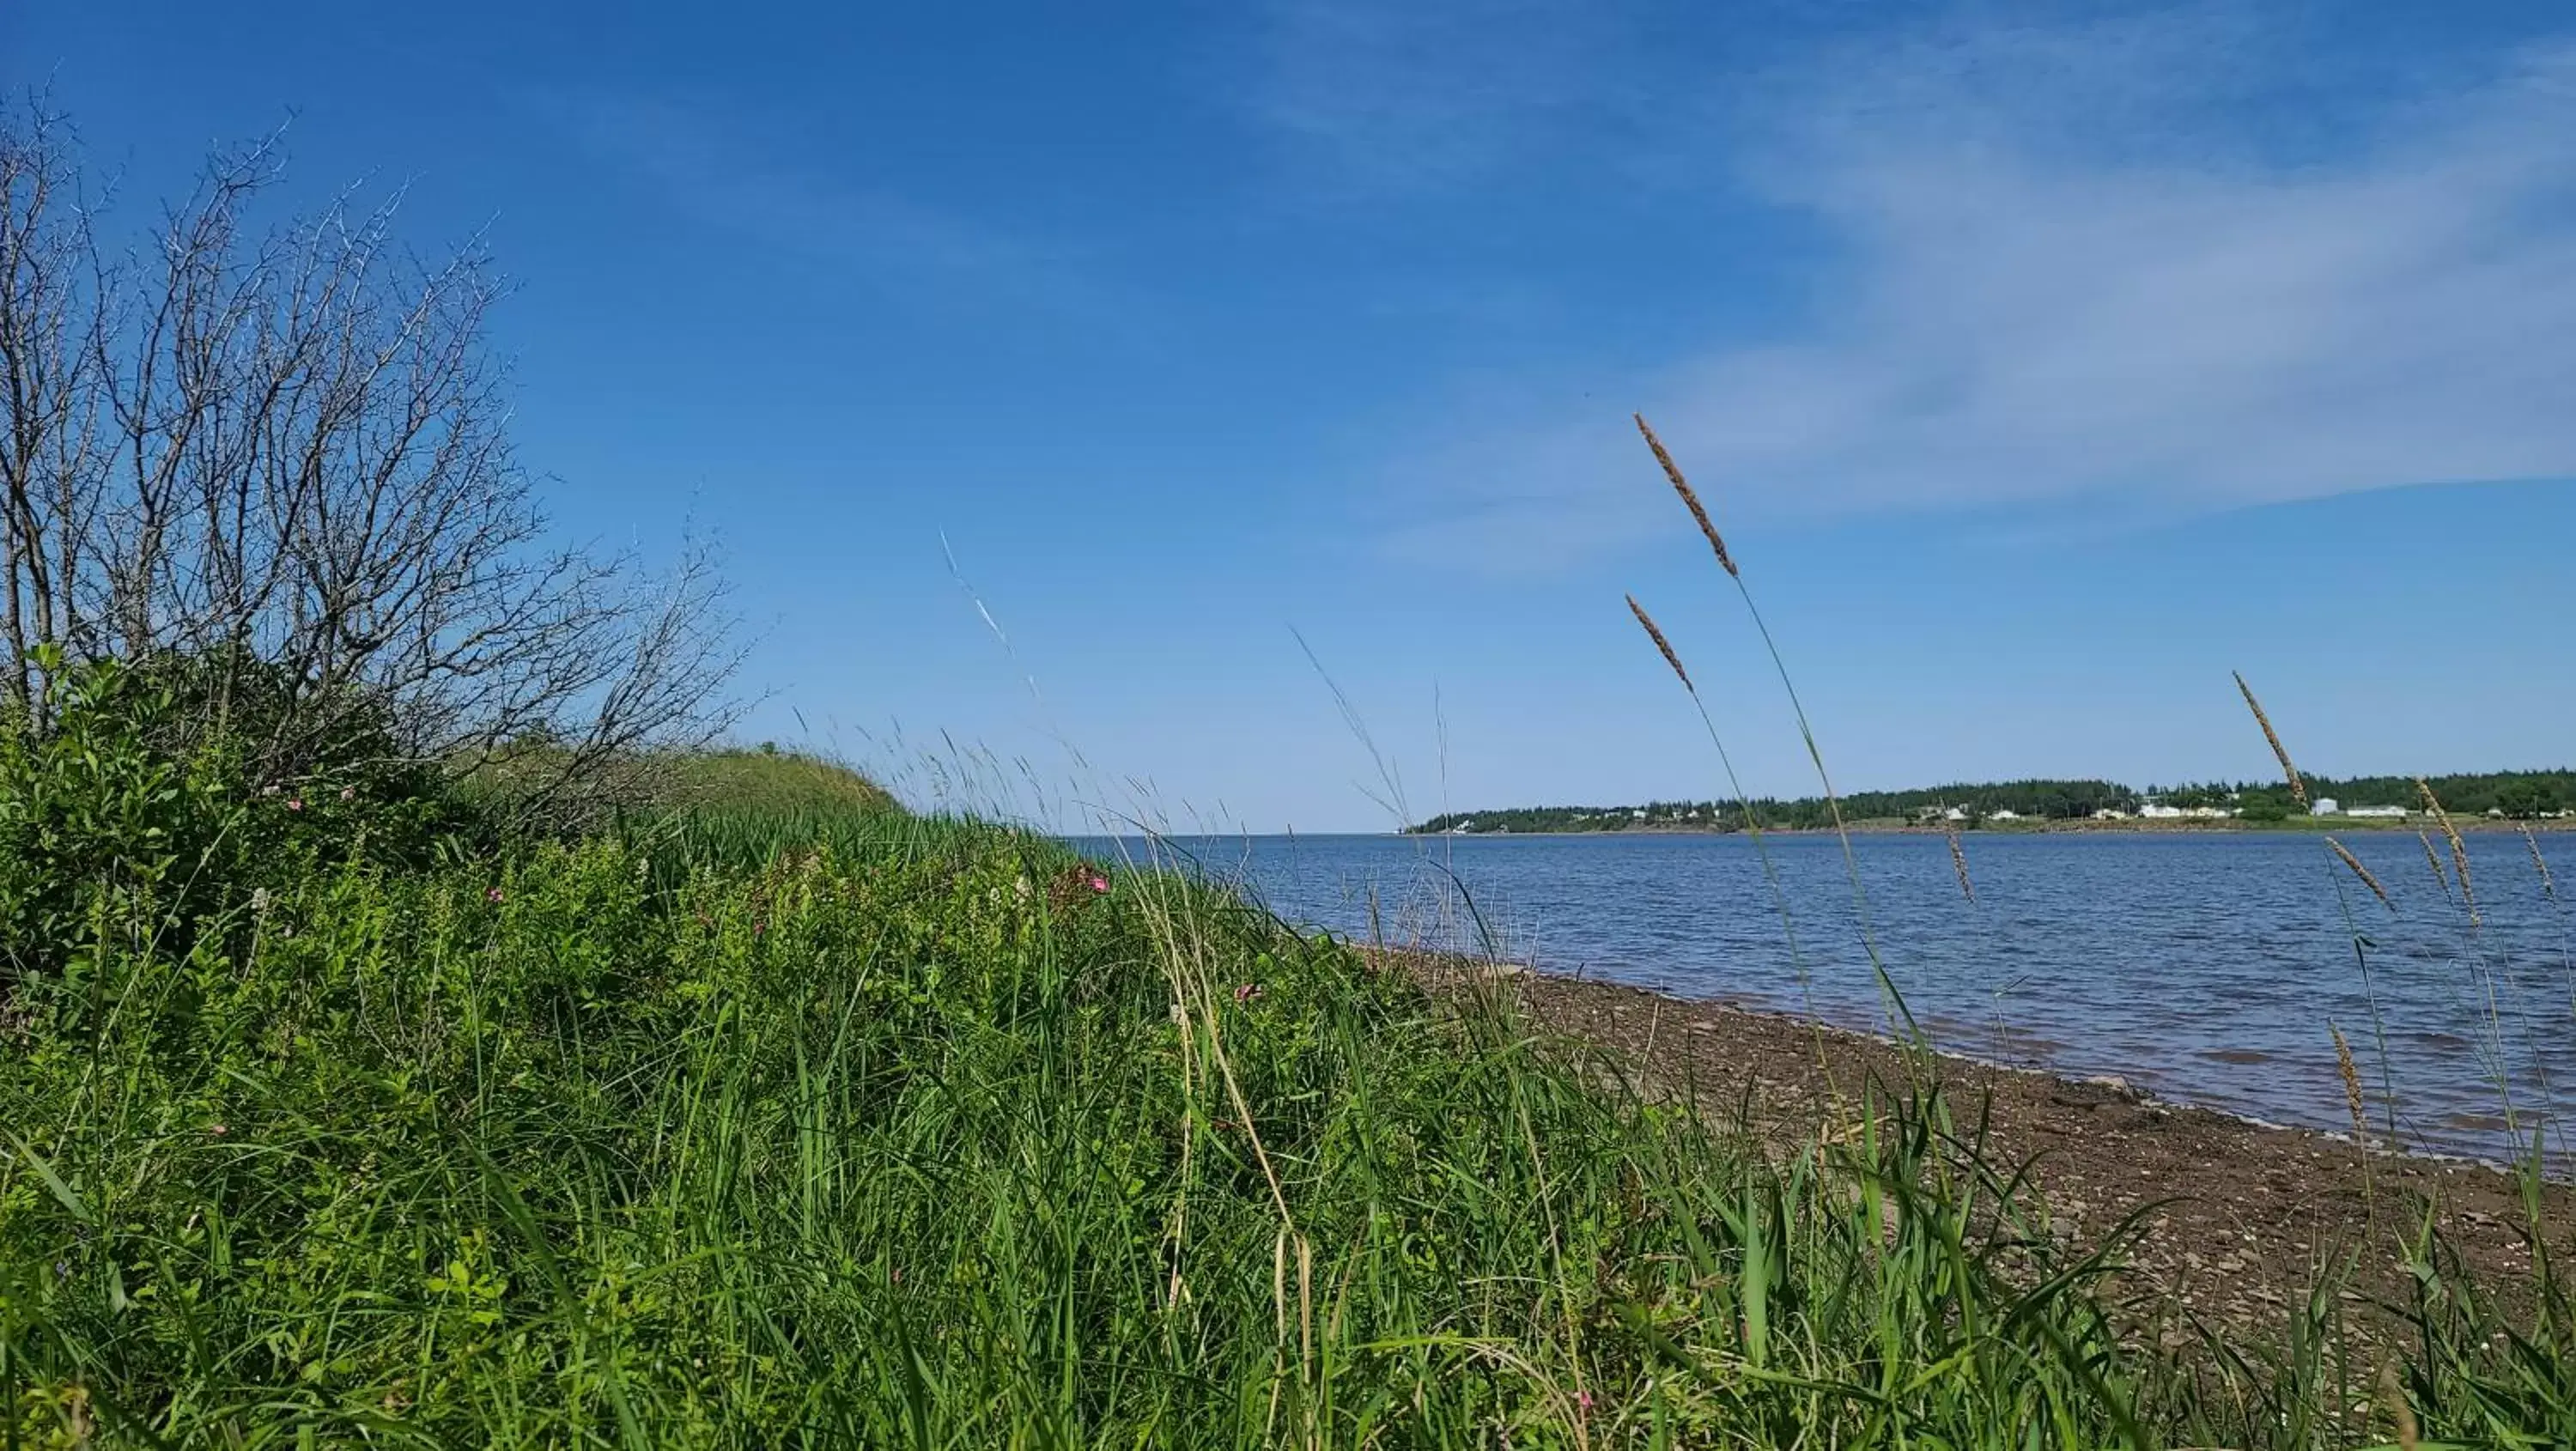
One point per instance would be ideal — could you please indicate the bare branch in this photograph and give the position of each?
(286, 452)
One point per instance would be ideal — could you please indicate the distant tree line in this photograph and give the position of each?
(2519, 794)
(2036, 798)
(2522, 795)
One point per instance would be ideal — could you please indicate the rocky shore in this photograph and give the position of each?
(2237, 1215)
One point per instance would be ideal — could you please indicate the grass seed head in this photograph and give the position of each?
(2468, 893)
(1681, 486)
(2540, 864)
(1959, 864)
(2281, 753)
(2433, 859)
(2352, 1097)
(2433, 804)
(1666, 646)
(2363, 872)
(2459, 848)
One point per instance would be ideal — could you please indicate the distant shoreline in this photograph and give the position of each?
(2204, 826)
(2355, 803)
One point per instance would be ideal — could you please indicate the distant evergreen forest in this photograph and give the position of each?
(2522, 795)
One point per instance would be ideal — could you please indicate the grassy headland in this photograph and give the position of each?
(772, 784)
(765, 1123)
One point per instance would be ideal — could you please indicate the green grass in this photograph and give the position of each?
(740, 807)
(775, 784)
(749, 1128)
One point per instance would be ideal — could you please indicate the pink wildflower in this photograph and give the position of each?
(1099, 883)
(294, 803)
(492, 894)
(1247, 992)
(1583, 1401)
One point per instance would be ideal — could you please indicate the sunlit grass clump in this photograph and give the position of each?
(769, 781)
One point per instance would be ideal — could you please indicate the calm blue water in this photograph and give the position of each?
(2203, 966)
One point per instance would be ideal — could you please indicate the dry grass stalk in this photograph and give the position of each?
(1681, 486)
(2363, 872)
(2298, 788)
(2352, 1096)
(2540, 864)
(2468, 894)
(1959, 864)
(2459, 848)
(2432, 859)
(1661, 643)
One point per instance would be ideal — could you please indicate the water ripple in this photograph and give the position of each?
(2208, 965)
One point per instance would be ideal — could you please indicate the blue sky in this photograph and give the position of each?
(2042, 363)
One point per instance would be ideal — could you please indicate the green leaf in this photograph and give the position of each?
(53, 1181)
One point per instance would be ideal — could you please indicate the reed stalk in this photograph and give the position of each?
(2352, 929)
(1900, 1015)
(2433, 860)
(1744, 804)
(2459, 849)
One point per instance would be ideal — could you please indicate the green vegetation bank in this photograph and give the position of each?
(783, 1117)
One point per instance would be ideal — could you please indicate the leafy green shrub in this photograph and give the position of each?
(136, 797)
(341, 771)
(91, 809)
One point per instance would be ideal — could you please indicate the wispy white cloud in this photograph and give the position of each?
(722, 171)
(2109, 267)
(1377, 98)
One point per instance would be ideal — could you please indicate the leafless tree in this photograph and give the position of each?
(286, 450)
